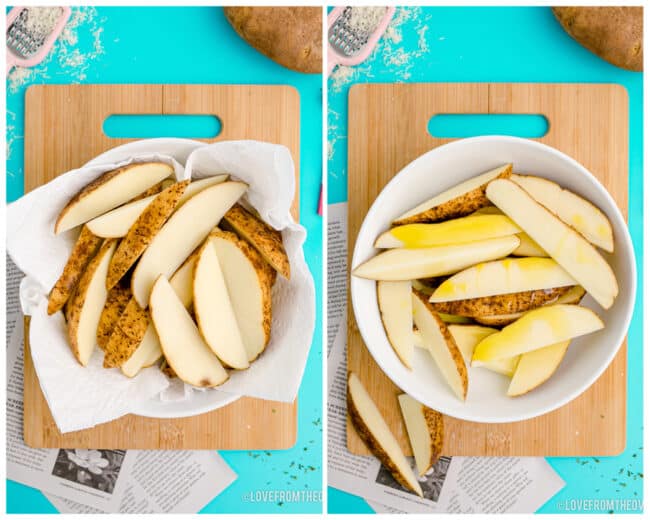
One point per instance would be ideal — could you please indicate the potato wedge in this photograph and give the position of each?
(167, 370)
(84, 250)
(85, 308)
(501, 303)
(266, 240)
(468, 336)
(249, 280)
(572, 209)
(185, 230)
(565, 245)
(373, 430)
(463, 199)
(425, 428)
(127, 335)
(536, 367)
(441, 345)
(146, 354)
(538, 328)
(110, 190)
(396, 309)
(456, 231)
(143, 231)
(409, 264)
(116, 302)
(116, 223)
(528, 247)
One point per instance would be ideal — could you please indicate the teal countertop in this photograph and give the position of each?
(195, 45)
(516, 44)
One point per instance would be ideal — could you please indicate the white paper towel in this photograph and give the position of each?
(80, 397)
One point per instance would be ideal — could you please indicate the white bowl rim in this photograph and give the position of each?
(629, 258)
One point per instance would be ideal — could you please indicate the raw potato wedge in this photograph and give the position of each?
(85, 308)
(373, 430)
(457, 231)
(249, 280)
(146, 354)
(536, 329)
(266, 240)
(451, 318)
(566, 246)
(110, 190)
(214, 311)
(536, 367)
(573, 210)
(82, 253)
(184, 349)
(394, 299)
(441, 345)
(167, 370)
(528, 247)
(185, 230)
(468, 336)
(127, 335)
(409, 264)
(183, 282)
(463, 199)
(508, 276)
(501, 303)
(151, 192)
(116, 302)
(143, 231)
(572, 296)
(116, 223)
(425, 430)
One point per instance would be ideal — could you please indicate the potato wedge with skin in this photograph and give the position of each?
(409, 264)
(565, 245)
(214, 311)
(266, 240)
(249, 280)
(116, 302)
(468, 336)
(396, 309)
(167, 370)
(110, 190)
(573, 296)
(536, 367)
(508, 276)
(185, 230)
(143, 231)
(572, 209)
(457, 231)
(501, 303)
(180, 340)
(441, 345)
(528, 247)
(85, 308)
(452, 318)
(84, 250)
(463, 199)
(374, 432)
(127, 335)
(536, 329)
(116, 223)
(425, 430)
(146, 354)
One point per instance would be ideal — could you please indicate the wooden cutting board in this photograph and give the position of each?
(387, 130)
(63, 130)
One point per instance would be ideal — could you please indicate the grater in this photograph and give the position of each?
(24, 47)
(347, 46)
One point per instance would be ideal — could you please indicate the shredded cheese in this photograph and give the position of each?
(40, 21)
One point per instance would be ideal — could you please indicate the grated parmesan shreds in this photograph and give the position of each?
(365, 19)
(41, 20)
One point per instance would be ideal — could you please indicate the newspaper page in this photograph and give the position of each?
(453, 485)
(107, 481)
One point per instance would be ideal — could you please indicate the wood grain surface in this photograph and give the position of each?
(63, 130)
(387, 130)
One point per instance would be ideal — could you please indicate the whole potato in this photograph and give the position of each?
(291, 36)
(613, 33)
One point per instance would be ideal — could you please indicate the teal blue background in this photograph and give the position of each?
(517, 45)
(196, 45)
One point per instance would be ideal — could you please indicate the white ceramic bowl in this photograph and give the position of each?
(587, 356)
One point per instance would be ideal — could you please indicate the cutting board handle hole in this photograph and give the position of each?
(147, 126)
(454, 126)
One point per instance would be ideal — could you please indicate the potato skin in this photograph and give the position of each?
(143, 231)
(613, 33)
(127, 335)
(501, 303)
(82, 253)
(436, 427)
(458, 207)
(291, 36)
(116, 302)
